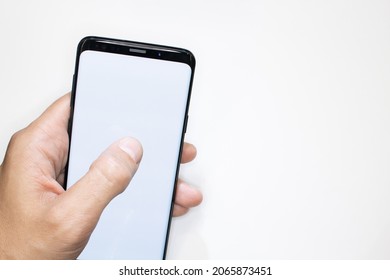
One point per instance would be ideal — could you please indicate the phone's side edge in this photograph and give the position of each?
(192, 66)
(80, 49)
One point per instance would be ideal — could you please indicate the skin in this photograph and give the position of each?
(38, 219)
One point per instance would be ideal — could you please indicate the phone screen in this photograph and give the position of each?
(139, 90)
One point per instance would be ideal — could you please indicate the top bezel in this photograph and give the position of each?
(137, 49)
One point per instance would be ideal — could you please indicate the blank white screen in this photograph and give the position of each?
(117, 96)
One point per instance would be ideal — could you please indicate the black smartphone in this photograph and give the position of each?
(124, 88)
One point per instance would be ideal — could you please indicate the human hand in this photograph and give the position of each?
(38, 219)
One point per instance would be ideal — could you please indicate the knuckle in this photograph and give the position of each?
(14, 150)
(113, 171)
(16, 137)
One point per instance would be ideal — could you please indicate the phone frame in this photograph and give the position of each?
(140, 49)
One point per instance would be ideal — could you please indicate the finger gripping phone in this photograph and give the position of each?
(124, 88)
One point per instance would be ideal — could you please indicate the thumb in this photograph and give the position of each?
(107, 177)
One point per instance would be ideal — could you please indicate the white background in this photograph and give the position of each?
(290, 114)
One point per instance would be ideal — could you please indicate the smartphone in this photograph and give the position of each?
(124, 88)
